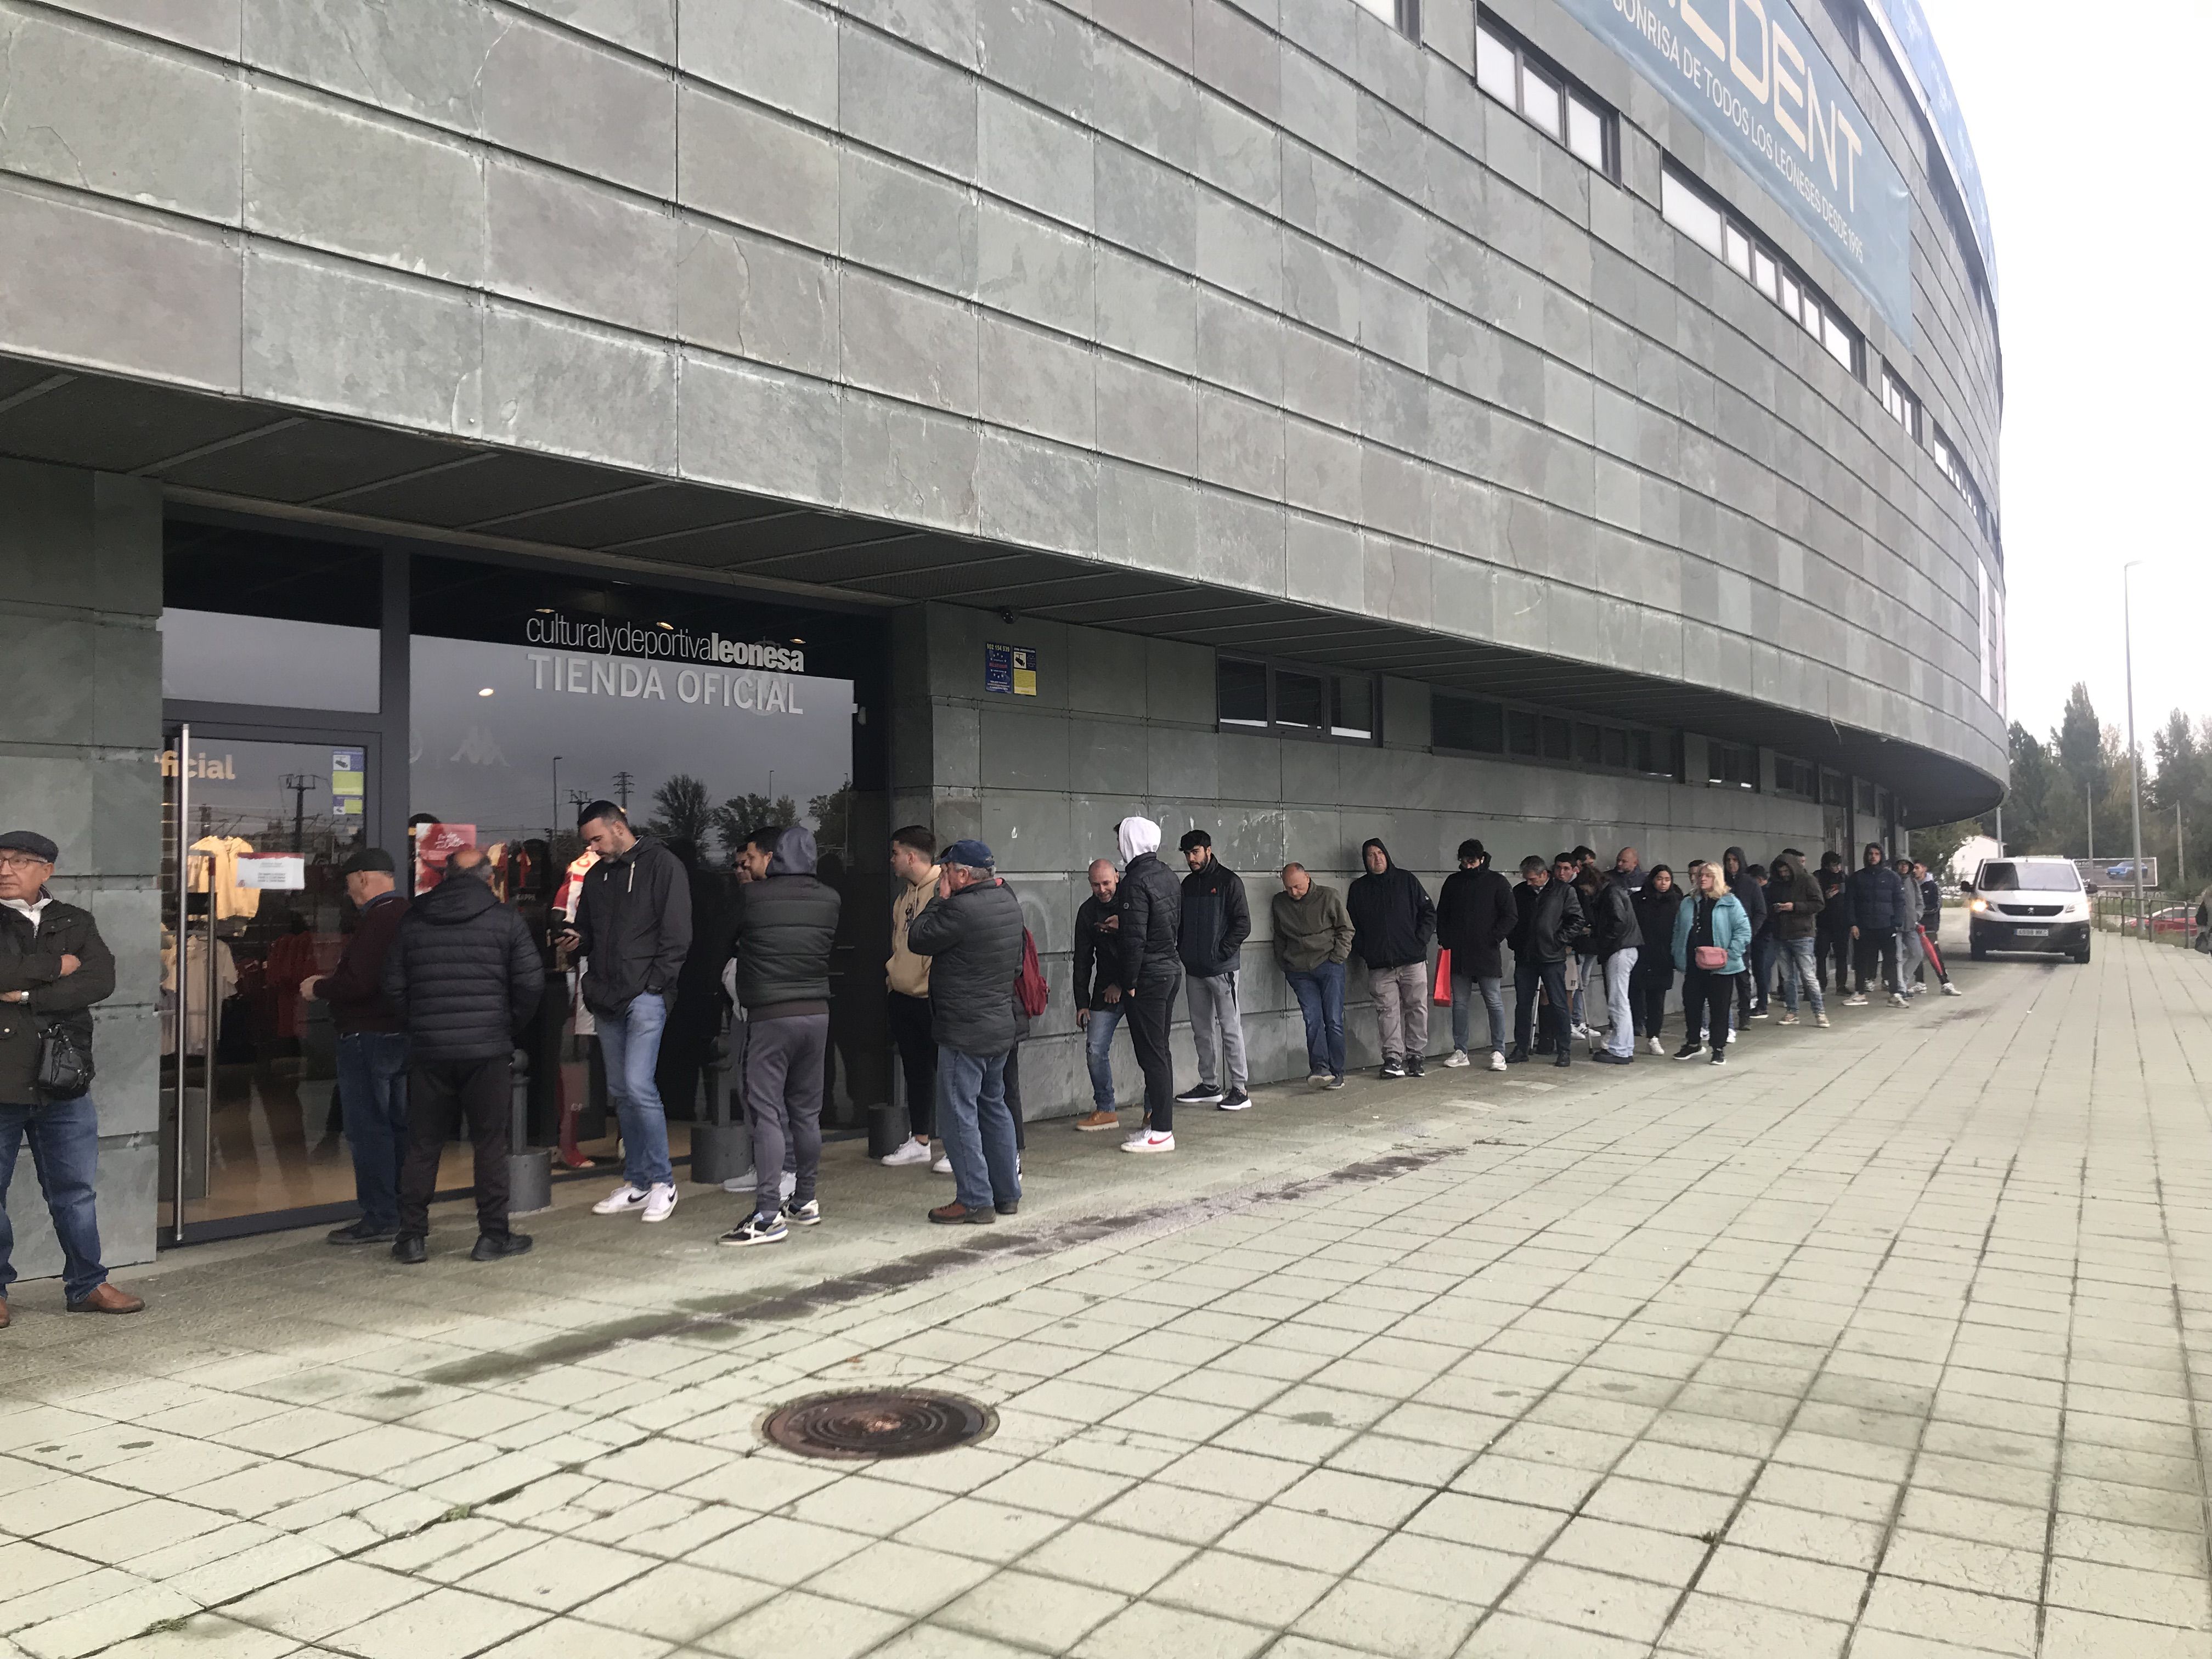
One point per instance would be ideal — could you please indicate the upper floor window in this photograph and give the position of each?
(1731, 765)
(1295, 701)
(1519, 78)
(1796, 777)
(1697, 215)
(1479, 725)
(1948, 463)
(1904, 408)
(1403, 16)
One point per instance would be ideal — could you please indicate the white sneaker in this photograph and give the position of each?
(1896, 1000)
(784, 1188)
(1656, 1046)
(1951, 990)
(909, 1152)
(943, 1166)
(660, 1201)
(622, 1199)
(1497, 1060)
(1146, 1140)
(1580, 1033)
(1458, 1057)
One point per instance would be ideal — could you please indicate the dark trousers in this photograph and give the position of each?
(438, 1092)
(1014, 1095)
(917, 1053)
(1528, 975)
(783, 1104)
(373, 1085)
(1705, 999)
(1829, 944)
(1870, 951)
(1647, 993)
(1750, 984)
(1150, 1009)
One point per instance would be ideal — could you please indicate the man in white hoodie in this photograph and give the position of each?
(1149, 902)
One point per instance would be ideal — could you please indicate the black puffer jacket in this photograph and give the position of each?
(782, 929)
(462, 973)
(1212, 921)
(1655, 919)
(974, 940)
(1745, 886)
(1391, 918)
(1611, 912)
(1880, 902)
(1149, 903)
(33, 963)
(1475, 913)
(635, 921)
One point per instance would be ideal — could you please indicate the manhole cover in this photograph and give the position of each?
(904, 1424)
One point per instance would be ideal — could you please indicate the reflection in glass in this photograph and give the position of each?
(1242, 690)
(1301, 700)
(1540, 101)
(1494, 68)
(268, 661)
(1586, 132)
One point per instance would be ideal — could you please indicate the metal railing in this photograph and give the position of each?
(2173, 918)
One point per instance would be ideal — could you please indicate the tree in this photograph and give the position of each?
(2028, 805)
(680, 811)
(2080, 741)
(739, 816)
(832, 819)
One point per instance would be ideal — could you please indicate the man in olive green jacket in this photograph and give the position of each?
(1313, 941)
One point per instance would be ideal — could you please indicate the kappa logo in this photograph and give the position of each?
(479, 747)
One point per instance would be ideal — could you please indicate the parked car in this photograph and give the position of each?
(2168, 919)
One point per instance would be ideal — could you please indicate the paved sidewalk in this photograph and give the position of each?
(1883, 1340)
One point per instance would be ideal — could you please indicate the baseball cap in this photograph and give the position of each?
(973, 853)
(368, 858)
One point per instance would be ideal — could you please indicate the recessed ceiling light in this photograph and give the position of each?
(485, 692)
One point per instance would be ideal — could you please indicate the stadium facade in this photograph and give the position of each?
(1556, 421)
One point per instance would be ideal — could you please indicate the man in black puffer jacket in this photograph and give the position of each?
(1393, 922)
(783, 923)
(972, 933)
(1475, 913)
(1150, 905)
(1212, 923)
(463, 974)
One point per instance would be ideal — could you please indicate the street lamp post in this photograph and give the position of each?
(2134, 756)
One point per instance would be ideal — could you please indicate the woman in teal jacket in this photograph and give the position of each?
(1713, 916)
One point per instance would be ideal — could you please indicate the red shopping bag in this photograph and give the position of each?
(1442, 993)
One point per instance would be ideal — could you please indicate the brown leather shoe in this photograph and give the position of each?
(957, 1214)
(106, 1298)
(1097, 1121)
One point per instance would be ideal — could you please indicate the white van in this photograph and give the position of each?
(2027, 904)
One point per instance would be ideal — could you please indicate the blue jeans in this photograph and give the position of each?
(1098, 1053)
(1797, 970)
(372, 1095)
(1463, 988)
(978, 1126)
(1320, 992)
(631, 1048)
(64, 1136)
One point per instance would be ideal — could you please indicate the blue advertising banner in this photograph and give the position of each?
(1751, 75)
(1909, 31)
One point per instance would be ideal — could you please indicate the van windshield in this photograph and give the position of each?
(2005, 876)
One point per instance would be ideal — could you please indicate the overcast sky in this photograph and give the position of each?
(2090, 133)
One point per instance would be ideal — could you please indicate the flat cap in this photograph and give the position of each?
(28, 840)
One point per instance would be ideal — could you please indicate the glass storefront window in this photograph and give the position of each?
(270, 621)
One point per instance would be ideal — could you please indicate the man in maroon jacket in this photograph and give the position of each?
(371, 1049)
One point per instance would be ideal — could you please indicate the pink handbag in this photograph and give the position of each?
(1709, 957)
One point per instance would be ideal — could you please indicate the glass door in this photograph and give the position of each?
(255, 829)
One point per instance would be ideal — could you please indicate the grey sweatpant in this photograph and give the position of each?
(1217, 1029)
(1401, 1009)
(783, 1097)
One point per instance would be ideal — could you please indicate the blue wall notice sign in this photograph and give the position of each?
(1010, 670)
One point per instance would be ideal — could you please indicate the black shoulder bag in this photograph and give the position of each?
(65, 1070)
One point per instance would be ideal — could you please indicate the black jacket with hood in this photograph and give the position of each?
(1149, 903)
(1835, 902)
(974, 941)
(1655, 919)
(1392, 917)
(1788, 882)
(635, 922)
(462, 973)
(1475, 914)
(1212, 921)
(1745, 886)
(31, 962)
(782, 928)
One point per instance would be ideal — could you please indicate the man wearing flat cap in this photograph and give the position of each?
(972, 933)
(54, 966)
(371, 1049)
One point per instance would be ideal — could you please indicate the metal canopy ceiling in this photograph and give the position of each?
(227, 452)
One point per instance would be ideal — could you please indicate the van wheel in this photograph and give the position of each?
(2080, 958)
(1979, 952)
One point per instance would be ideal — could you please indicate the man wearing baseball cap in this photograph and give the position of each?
(372, 1048)
(53, 967)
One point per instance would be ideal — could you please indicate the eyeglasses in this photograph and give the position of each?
(22, 861)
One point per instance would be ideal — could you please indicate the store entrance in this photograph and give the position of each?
(255, 829)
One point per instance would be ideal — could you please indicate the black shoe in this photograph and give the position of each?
(409, 1250)
(1563, 1058)
(1413, 1066)
(1517, 1056)
(1689, 1050)
(1720, 1056)
(1013, 1208)
(498, 1247)
(360, 1232)
(1392, 1068)
(1607, 1057)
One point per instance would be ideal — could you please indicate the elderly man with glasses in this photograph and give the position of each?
(53, 967)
